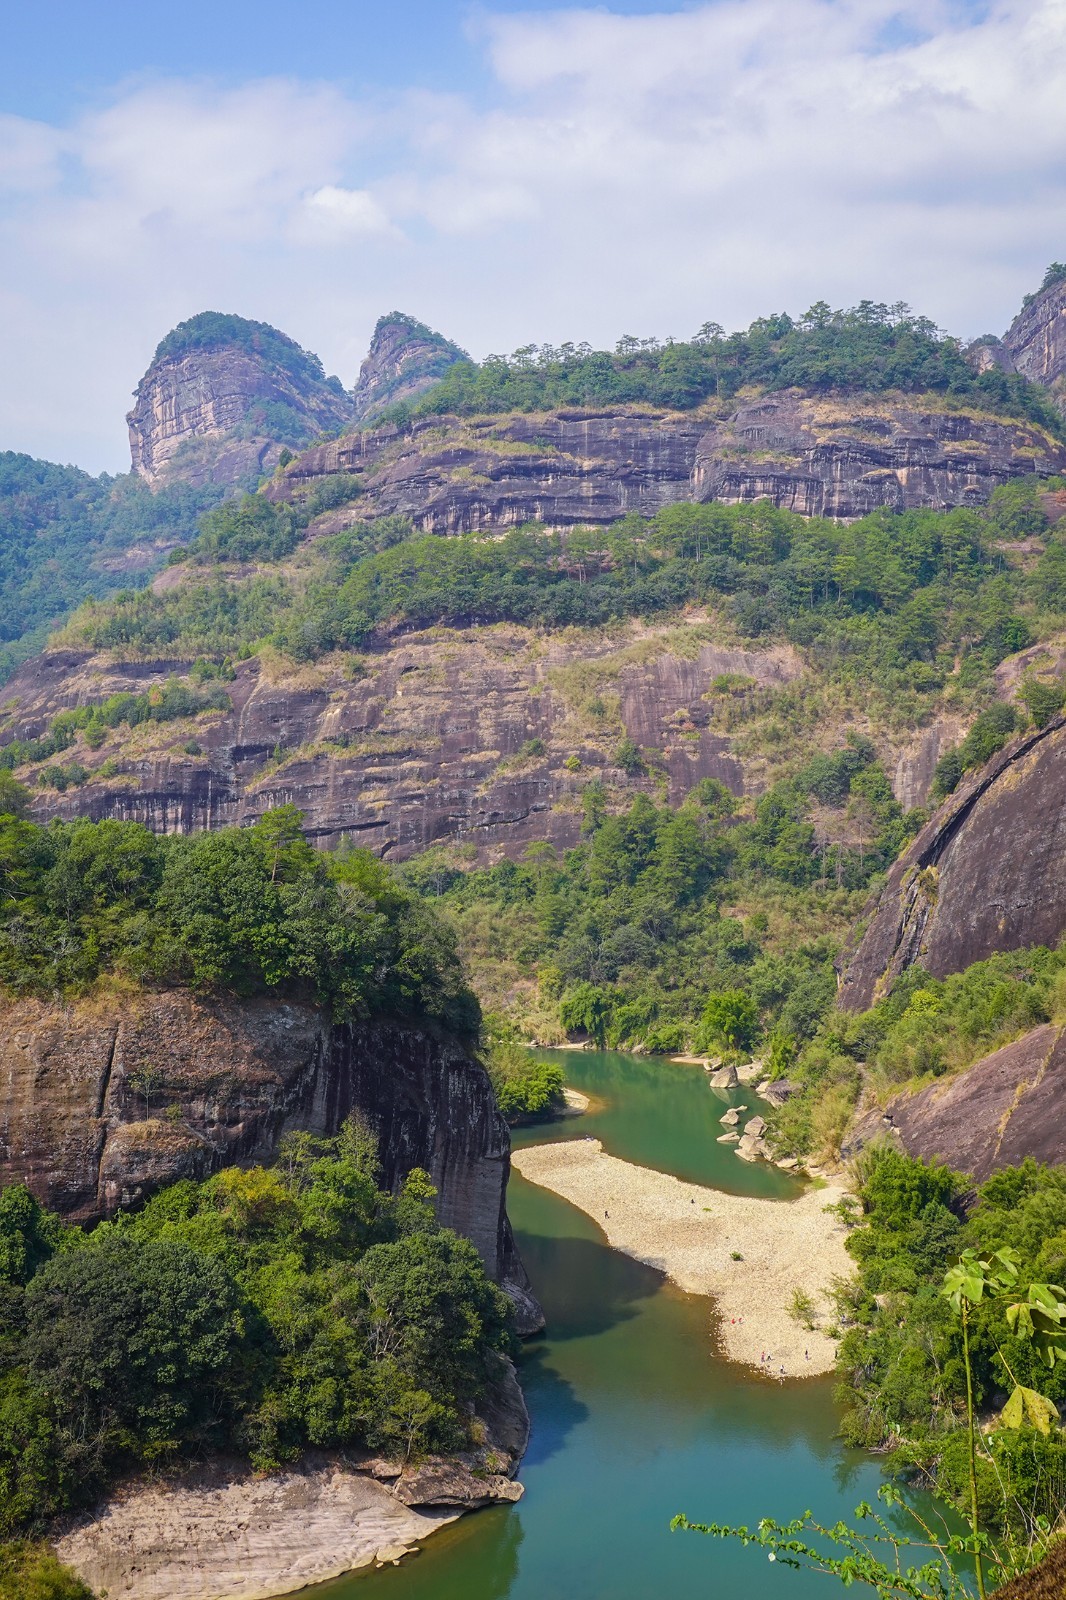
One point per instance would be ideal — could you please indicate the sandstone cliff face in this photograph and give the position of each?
(404, 360)
(817, 456)
(426, 747)
(220, 412)
(1036, 339)
(105, 1102)
(993, 1115)
(987, 873)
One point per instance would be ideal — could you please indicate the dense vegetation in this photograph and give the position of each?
(238, 910)
(527, 1090)
(211, 329)
(622, 937)
(260, 1311)
(871, 347)
(902, 1353)
(898, 599)
(67, 535)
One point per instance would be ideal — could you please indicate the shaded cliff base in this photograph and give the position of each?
(1005, 1107)
(751, 1255)
(219, 1531)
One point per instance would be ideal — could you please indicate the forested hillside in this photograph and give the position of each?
(868, 348)
(66, 536)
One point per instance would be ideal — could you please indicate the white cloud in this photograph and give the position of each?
(631, 173)
(332, 211)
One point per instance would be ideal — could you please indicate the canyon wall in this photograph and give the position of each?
(1002, 1109)
(986, 873)
(1036, 339)
(104, 1102)
(461, 736)
(821, 456)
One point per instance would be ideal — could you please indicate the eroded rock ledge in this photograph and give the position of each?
(217, 1532)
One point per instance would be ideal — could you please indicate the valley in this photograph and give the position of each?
(385, 757)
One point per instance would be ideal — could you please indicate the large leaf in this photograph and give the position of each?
(1026, 1405)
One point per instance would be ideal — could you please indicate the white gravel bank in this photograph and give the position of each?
(690, 1233)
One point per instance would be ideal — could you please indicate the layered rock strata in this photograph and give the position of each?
(404, 360)
(103, 1103)
(221, 412)
(820, 456)
(447, 736)
(986, 873)
(1036, 339)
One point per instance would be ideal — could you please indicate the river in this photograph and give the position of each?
(634, 1416)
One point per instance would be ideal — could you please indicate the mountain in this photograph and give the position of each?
(221, 399)
(66, 536)
(404, 360)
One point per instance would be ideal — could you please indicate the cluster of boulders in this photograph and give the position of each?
(750, 1142)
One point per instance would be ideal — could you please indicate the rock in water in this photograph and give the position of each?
(221, 399)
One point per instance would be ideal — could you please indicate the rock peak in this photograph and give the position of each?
(405, 358)
(222, 397)
(1036, 339)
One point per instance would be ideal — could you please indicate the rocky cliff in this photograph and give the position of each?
(447, 735)
(820, 456)
(222, 397)
(993, 1115)
(404, 360)
(107, 1101)
(1036, 339)
(987, 873)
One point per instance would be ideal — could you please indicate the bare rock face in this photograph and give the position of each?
(818, 456)
(222, 397)
(404, 360)
(993, 1115)
(103, 1103)
(218, 1528)
(986, 873)
(455, 736)
(829, 457)
(1036, 339)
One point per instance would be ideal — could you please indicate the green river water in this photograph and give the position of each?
(634, 1416)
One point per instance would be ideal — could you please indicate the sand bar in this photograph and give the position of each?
(690, 1233)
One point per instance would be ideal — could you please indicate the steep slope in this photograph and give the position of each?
(221, 398)
(1000, 1110)
(444, 735)
(1036, 339)
(227, 1080)
(820, 456)
(66, 536)
(404, 360)
(987, 873)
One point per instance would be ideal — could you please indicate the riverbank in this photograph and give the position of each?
(749, 1254)
(217, 1531)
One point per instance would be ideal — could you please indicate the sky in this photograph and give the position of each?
(507, 173)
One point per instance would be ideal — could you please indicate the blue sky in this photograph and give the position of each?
(59, 55)
(506, 172)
